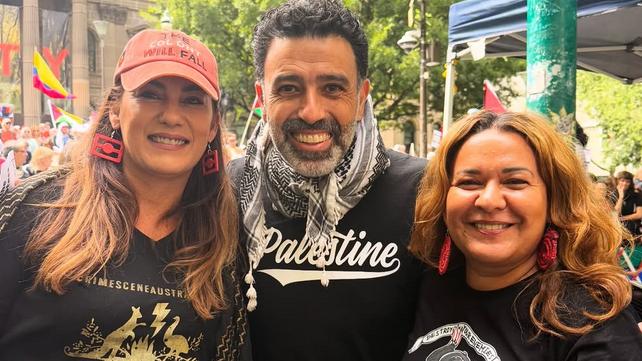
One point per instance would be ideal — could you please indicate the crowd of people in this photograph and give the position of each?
(39, 148)
(160, 239)
(36, 148)
(623, 195)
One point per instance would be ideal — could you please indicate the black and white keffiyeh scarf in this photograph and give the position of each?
(322, 201)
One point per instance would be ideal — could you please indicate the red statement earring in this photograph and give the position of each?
(209, 162)
(107, 148)
(547, 249)
(444, 255)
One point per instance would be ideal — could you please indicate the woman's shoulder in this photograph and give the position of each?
(19, 201)
(618, 338)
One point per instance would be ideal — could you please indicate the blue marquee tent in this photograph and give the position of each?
(609, 36)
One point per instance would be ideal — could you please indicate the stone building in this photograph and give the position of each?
(81, 40)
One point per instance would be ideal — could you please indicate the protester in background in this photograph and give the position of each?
(130, 252)
(327, 210)
(629, 203)
(231, 148)
(20, 153)
(637, 181)
(35, 133)
(41, 160)
(63, 136)
(44, 137)
(52, 137)
(6, 133)
(32, 144)
(525, 251)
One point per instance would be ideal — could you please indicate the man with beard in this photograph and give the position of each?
(326, 209)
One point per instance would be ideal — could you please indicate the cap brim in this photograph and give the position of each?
(142, 74)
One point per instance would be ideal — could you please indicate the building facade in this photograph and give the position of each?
(81, 41)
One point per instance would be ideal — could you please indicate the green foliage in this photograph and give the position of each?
(617, 107)
(226, 27)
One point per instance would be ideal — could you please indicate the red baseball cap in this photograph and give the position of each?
(152, 54)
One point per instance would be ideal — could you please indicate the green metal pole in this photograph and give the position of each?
(551, 58)
(424, 146)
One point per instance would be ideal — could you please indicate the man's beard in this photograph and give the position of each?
(312, 164)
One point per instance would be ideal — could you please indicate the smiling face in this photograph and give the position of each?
(496, 207)
(312, 101)
(166, 125)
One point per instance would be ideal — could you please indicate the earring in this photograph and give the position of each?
(444, 255)
(107, 148)
(209, 162)
(547, 249)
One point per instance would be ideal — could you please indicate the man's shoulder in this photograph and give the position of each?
(404, 165)
(398, 185)
(23, 200)
(235, 170)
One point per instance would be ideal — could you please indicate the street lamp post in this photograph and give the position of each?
(101, 30)
(408, 42)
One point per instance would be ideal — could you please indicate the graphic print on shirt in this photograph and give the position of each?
(148, 343)
(366, 259)
(450, 351)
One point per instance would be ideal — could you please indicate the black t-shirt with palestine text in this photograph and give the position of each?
(367, 310)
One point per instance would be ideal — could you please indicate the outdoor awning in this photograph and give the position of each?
(609, 33)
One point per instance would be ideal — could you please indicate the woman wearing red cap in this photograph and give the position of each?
(130, 252)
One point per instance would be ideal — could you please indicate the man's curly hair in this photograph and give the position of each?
(309, 18)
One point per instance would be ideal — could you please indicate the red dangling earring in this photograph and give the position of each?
(444, 255)
(547, 249)
(107, 148)
(209, 162)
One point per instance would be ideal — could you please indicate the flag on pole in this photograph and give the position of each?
(45, 80)
(257, 107)
(59, 116)
(491, 100)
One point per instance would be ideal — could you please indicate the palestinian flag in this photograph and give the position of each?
(491, 100)
(257, 107)
(59, 116)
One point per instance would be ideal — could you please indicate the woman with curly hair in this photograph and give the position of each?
(525, 251)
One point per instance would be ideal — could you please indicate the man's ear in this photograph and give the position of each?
(364, 90)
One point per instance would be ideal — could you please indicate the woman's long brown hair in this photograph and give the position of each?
(589, 234)
(91, 224)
